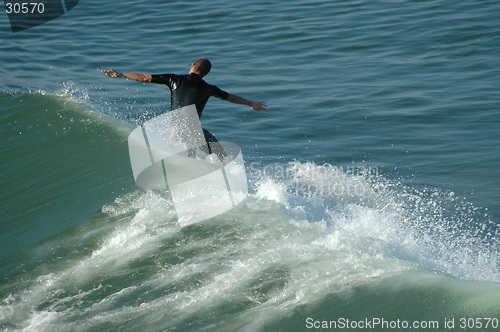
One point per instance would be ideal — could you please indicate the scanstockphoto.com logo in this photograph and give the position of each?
(171, 152)
(24, 15)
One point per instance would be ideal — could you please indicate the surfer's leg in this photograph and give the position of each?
(213, 145)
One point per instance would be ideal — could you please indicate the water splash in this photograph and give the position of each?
(431, 227)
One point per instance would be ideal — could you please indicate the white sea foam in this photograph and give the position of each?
(429, 227)
(281, 249)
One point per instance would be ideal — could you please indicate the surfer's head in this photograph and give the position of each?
(201, 67)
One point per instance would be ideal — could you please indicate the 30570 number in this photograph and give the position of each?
(24, 8)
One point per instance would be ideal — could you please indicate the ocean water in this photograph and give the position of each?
(374, 176)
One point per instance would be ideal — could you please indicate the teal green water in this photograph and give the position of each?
(374, 181)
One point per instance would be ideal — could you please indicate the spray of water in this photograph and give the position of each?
(431, 227)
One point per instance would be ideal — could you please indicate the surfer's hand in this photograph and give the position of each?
(259, 106)
(112, 73)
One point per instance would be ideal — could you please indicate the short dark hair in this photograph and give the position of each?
(203, 66)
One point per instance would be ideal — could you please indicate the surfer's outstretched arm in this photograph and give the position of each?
(145, 78)
(255, 105)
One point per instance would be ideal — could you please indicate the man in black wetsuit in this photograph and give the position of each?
(191, 89)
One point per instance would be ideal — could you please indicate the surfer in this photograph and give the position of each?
(191, 89)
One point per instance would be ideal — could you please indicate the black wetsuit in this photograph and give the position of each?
(188, 90)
